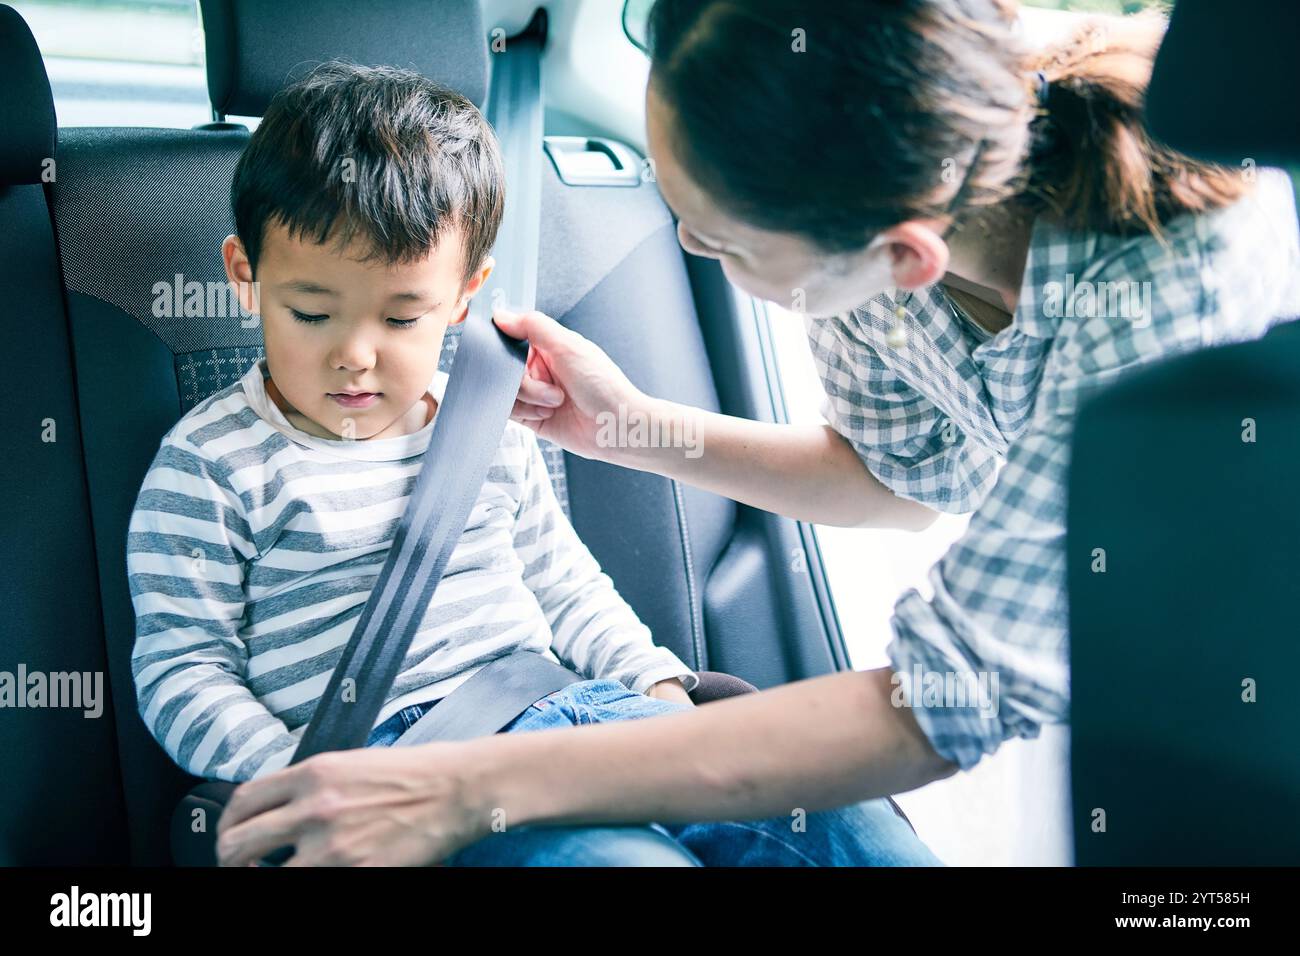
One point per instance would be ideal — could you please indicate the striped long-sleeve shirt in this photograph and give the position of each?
(254, 546)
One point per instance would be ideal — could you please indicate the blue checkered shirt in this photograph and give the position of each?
(944, 413)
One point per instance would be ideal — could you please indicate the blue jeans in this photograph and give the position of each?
(862, 834)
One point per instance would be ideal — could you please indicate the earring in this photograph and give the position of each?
(896, 337)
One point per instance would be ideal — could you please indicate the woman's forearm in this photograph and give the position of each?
(805, 472)
(748, 757)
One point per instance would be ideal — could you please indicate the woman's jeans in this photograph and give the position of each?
(863, 834)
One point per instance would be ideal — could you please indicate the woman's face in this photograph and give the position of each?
(780, 267)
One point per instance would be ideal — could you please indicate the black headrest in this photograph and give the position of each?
(1225, 81)
(255, 46)
(28, 130)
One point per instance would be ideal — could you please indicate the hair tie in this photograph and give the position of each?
(1042, 88)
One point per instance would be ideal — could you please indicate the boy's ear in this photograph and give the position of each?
(239, 272)
(472, 288)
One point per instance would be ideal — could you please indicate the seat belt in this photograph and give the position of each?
(481, 391)
(467, 431)
(502, 689)
(491, 699)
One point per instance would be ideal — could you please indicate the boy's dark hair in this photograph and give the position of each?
(377, 153)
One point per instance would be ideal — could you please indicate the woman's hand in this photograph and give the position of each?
(807, 472)
(568, 382)
(384, 806)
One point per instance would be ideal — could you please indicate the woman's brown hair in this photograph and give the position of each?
(1092, 164)
(836, 120)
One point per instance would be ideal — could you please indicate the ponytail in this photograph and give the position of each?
(1092, 166)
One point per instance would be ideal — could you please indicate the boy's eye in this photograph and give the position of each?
(312, 319)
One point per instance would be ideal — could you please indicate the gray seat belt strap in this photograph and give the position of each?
(515, 111)
(481, 390)
(466, 435)
(502, 689)
(497, 693)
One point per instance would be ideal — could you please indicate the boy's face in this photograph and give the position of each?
(334, 323)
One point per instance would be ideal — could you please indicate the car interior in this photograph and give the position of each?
(92, 216)
(128, 205)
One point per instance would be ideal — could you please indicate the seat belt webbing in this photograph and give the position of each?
(481, 390)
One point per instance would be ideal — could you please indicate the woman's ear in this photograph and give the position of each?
(918, 256)
(239, 272)
(472, 289)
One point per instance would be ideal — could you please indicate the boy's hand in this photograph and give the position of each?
(672, 689)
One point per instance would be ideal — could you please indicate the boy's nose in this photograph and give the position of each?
(353, 355)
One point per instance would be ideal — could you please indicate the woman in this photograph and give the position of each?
(1017, 241)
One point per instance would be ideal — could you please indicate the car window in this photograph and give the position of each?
(122, 62)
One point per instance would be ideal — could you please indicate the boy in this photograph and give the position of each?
(267, 514)
(366, 204)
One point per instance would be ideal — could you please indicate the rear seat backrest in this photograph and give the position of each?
(136, 209)
(62, 799)
(253, 47)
